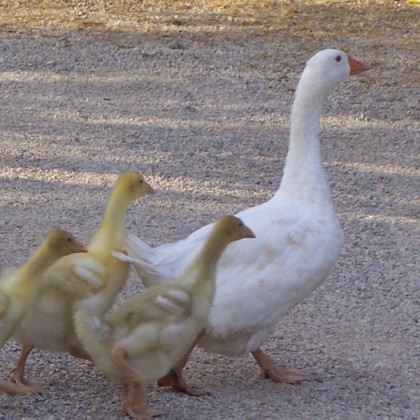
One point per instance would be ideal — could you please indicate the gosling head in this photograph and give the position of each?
(61, 243)
(134, 185)
(231, 228)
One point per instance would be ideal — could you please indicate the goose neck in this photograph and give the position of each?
(304, 174)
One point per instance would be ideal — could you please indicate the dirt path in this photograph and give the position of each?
(199, 100)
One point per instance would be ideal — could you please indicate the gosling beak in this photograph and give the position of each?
(150, 190)
(80, 248)
(248, 233)
(356, 66)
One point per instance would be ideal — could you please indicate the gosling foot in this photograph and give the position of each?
(134, 402)
(175, 380)
(11, 388)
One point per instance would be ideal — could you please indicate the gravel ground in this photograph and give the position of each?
(202, 108)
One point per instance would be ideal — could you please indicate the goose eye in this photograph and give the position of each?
(338, 58)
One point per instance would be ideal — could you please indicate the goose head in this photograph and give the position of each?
(329, 67)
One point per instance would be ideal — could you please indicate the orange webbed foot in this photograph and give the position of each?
(278, 373)
(288, 375)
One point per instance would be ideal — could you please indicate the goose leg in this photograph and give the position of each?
(278, 373)
(17, 374)
(134, 394)
(175, 379)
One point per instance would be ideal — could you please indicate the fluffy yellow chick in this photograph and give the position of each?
(49, 323)
(150, 332)
(20, 288)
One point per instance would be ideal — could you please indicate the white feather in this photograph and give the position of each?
(174, 301)
(90, 271)
(101, 328)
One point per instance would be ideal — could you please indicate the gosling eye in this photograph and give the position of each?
(69, 239)
(141, 181)
(338, 58)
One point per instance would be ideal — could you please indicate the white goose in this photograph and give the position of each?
(299, 239)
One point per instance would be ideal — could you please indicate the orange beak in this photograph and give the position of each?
(356, 66)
